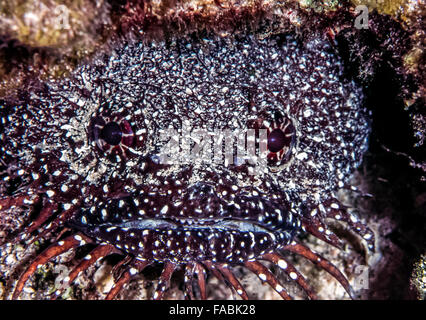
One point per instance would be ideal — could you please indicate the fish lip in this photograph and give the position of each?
(212, 224)
(227, 220)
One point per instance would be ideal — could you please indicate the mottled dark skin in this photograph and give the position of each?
(89, 149)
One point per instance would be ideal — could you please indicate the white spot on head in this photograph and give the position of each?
(50, 193)
(282, 264)
(334, 206)
(293, 275)
(302, 156)
(279, 288)
(368, 236)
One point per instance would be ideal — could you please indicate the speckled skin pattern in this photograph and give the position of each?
(199, 211)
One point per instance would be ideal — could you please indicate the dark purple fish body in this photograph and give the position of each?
(93, 144)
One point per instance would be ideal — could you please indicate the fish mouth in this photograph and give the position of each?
(200, 224)
(226, 240)
(275, 221)
(200, 207)
(226, 224)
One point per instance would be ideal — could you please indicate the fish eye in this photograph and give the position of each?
(280, 136)
(112, 135)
